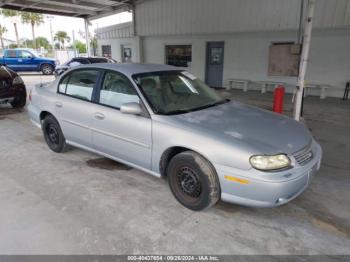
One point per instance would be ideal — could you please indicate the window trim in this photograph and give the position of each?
(69, 74)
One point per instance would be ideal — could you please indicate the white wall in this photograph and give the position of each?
(246, 55)
(173, 17)
(116, 46)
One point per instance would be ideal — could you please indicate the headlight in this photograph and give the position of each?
(17, 80)
(263, 162)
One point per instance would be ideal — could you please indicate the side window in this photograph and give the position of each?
(63, 85)
(117, 90)
(11, 54)
(25, 54)
(81, 84)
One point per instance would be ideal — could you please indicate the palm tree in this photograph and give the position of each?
(33, 19)
(61, 37)
(2, 31)
(12, 13)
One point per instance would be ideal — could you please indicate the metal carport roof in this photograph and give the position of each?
(89, 9)
(92, 9)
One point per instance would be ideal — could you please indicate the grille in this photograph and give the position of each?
(304, 156)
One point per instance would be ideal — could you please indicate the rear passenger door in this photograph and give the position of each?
(73, 105)
(11, 59)
(123, 136)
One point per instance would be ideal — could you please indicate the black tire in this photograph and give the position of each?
(47, 69)
(193, 181)
(53, 135)
(19, 102)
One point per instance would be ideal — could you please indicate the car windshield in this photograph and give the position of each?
(175, 92)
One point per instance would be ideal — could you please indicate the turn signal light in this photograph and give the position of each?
(237, 180)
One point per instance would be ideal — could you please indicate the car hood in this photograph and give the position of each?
(264, 131)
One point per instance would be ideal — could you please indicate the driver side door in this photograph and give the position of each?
(123, 136)
(26, 61)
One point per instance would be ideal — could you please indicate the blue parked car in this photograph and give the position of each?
(27, 60)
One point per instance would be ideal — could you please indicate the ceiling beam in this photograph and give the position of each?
(91, 9)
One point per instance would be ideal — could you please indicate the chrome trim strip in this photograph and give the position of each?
(75, 123)
(121, 138)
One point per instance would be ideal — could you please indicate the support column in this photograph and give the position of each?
(87, 40)
(304, 59)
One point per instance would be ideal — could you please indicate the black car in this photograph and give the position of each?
(12, 88)
(81, 61)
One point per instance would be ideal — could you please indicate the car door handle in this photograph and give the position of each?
(58, 104)
(99, 116)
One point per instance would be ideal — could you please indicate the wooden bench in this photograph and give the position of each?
(323, 89)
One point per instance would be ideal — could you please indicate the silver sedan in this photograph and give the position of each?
(168, 123)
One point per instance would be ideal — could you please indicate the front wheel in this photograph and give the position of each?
(193, 181)
(47, 69)
(53, 135)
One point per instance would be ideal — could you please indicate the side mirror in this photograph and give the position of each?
(131, 108)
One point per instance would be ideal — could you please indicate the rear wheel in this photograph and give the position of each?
(53, 135)
(19, 102)
(193, 181)
(47, 69)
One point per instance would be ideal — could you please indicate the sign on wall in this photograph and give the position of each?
(284, 59)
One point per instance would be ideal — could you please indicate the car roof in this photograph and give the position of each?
(130, 69)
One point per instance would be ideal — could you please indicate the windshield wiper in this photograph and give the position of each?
(184, 111)
(211, 105)
(179, 111)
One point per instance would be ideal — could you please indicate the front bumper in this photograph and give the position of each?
(267, 189)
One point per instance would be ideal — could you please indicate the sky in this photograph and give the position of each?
(61, 23)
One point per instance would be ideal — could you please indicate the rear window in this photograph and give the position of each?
(98, 60)
(81, 61)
